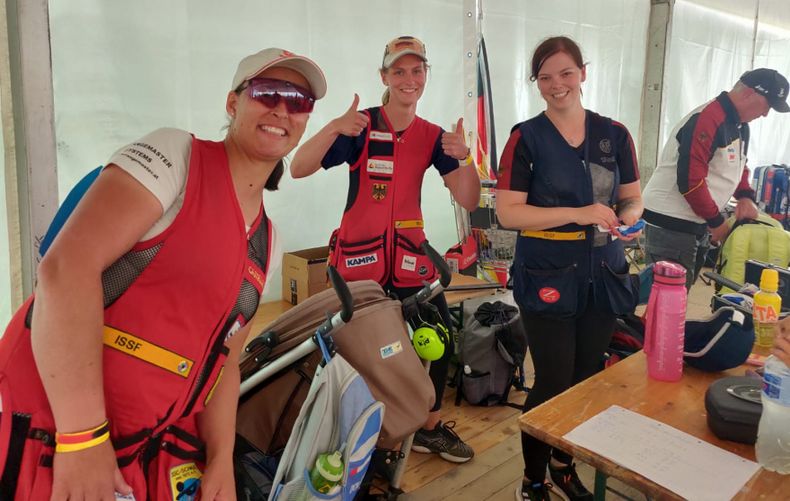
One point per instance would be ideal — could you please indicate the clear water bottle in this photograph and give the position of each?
(773, 433)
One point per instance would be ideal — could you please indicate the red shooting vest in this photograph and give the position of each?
(382, 226)
(164, 341)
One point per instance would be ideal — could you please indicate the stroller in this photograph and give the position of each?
(277, 384)
(413, 309)
(338, 413)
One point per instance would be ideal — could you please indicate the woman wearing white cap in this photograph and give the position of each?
(115, 380)
(389, 149)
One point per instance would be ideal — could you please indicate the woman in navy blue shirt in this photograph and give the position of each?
(568, 179)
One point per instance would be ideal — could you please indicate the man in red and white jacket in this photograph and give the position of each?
(702, 166)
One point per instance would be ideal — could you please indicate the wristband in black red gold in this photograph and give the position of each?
(77, 441)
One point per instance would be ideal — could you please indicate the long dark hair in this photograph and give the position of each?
(274, 178)
(551, 46)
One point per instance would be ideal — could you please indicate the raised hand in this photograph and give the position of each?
(352, 122)
(454, 143)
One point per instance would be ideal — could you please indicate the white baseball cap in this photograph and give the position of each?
(401, 46)
(256, 63)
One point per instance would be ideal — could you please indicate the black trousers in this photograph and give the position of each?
(564, 352)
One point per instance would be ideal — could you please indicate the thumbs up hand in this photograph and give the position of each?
(454, 143)
(352, 122)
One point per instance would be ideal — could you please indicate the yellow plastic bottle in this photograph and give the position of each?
(767, 305)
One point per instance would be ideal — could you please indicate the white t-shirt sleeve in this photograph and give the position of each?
(159, 161)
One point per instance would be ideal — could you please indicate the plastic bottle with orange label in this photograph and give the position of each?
(767, 305)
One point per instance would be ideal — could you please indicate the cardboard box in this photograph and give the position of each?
(462, 257)
(304, 273)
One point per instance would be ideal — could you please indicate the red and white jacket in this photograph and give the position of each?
(701, 167)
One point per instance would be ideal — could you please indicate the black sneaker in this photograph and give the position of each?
(443, 441)
(567, 484)
(538, 491)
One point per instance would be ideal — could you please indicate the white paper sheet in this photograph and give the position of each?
(680, 462)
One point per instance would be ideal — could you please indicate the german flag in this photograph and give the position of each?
(486, 137)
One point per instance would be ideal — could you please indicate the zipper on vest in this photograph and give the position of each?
(590, 231)
(205, 372)
(366, 249)
(364, 242)
(217, 346)
(389, 250)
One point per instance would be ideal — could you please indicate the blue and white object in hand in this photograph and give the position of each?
(626, 230)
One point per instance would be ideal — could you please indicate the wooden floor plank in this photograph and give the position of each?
(471, 421)
(457, 480)
(490, 485)
(418, 473)
(493, 433)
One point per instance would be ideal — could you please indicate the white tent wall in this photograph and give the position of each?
(611, 33)
(174, 65)
(5, 252)
(712, 44)
(122, 70)
(771, 135)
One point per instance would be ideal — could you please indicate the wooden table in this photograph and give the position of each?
(681, 405)
(269, 311)
(266, 314)
(458, 297)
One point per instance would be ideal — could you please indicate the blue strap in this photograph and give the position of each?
(66, 208)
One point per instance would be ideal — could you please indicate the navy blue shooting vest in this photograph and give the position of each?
(558, 277)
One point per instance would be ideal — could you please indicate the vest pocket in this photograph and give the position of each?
(621, 293)
(27, 473)
(363, 260)
(302, 488)
(551, 292)
(176, 469)
(410, 265)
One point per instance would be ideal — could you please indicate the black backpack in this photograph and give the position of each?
(492, 348)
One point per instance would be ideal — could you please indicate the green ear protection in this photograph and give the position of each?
(429, 341)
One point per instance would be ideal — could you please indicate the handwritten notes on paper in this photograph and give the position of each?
(680, 462)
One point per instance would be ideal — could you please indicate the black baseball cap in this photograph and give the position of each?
(771, 84)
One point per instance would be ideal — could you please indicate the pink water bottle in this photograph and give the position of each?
(666, 322)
